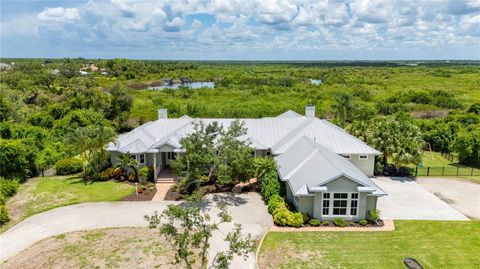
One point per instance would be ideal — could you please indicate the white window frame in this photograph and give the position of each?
(140, 158)
(363, 159)
(346, 156)
(349, 199)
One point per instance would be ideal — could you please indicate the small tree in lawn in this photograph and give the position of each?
(91, 143)
(234, 162)
(189, 230)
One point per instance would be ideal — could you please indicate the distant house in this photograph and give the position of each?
(316, 81)
(326, 170)
(55, 71)
(83, 73)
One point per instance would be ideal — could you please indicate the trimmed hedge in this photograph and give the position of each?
(339, 222)
(69, 166)
(270, 185)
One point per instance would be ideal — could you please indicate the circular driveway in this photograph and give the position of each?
(247, 209)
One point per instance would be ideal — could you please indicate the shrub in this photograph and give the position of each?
(3, 215)
(339, 222)
(314, 222)
(281, 217)
(275, 201)
(143, 174)
(363, 222)
(69, 166)
(374, 215)
(270, 185)
(8, 187)
(325, 223)
(111, 173)
(305, 217)
(295, 220)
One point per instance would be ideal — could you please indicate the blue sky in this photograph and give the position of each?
(242, 29)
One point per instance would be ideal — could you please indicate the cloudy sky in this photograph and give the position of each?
(242, 29)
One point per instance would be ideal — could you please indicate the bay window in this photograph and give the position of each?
(340, 204)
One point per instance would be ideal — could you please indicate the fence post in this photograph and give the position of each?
(416, 170)
(458, 168)
(443, 171)
(471, 173)
(428, 171)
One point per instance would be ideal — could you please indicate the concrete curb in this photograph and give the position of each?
(257, 253)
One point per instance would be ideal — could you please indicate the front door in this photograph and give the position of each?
(170, 157)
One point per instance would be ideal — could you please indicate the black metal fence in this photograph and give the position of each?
(445, 171)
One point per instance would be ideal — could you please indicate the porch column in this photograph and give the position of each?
(154, 166)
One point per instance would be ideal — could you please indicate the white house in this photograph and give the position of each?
(318, 160)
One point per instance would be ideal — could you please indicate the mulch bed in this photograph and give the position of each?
(147, 195)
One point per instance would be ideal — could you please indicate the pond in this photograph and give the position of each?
(316, 81)
(192, 85)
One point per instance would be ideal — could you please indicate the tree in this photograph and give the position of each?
(399, 140)
(343, 107)
(234, 161)
(359, 129)
(189, 230)
(121, 101)
(17, 160)
(91, 143)
(199, 156)
(128, 164)
(264, 165)
(467, 144)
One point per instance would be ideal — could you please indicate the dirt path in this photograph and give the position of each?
(463, 195)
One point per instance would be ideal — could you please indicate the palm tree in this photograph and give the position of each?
(383, 137)
(263, 165)
(128, 163)
(342, 108)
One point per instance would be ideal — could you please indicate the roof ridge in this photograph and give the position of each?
(301, 164)
(167, 136)
(292, 133)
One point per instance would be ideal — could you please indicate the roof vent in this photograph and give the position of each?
(310, 111)
(163, 113)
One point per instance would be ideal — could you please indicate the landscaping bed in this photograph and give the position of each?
(143, 195)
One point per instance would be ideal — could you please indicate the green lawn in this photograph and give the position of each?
(435, 244)
(51, 192)
(41, 194)
(434, 159)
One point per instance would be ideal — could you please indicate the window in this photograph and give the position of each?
(170, 155)
(326, 203)
(141, 158)
(340, 202)
(253, 153)
(346, 156)
(354, 204)
(268, 153)
(363, 157)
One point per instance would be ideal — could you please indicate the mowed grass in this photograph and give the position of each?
(52, 192)
(435, 244)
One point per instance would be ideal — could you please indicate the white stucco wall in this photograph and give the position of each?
(367, 166)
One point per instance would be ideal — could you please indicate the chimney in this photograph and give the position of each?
(310, 111)
(163, 113)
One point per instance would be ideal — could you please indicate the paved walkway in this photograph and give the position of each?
(407, 200)
(162, 189)
(247, 209)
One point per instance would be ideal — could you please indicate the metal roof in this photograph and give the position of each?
(308, 166)
(274, 133)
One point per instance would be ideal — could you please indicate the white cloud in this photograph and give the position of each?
(59, 14)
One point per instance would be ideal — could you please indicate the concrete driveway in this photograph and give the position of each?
(461, 194)
(407, 200)
(247, 209)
